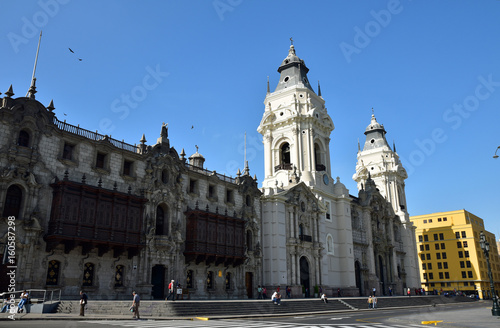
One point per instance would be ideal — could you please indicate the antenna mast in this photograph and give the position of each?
(32, 89)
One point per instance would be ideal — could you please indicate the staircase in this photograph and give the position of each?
(249, 308)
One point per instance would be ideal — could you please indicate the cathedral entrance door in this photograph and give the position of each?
(249, 284)
(304, 275)
(357, 268)
(158, 282)
(382, 277)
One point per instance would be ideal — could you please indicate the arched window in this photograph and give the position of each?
(88, 274)
(285, 153)
(318, 158)
(164, 176)
(53, 273)
(161, 221)
(13, 199)
(23, 138)
(249, 240)
(248, 200)
(119, 275)
(329, 244)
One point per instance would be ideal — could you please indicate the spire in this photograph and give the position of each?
(246, 171)
(293, 72)
(359, 146)
(51, 106)
(9, 93)
(32, 90)
(394, 146)
(268, 90)
(319, 89)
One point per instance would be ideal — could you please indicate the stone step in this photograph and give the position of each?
(250, 307)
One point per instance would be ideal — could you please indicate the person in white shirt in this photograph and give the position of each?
(276, 298)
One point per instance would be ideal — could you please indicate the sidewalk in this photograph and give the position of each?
(461, 318)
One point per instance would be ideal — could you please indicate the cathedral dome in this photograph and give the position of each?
(197, 159)
(339, 189)
(291, 59)
(374, 125)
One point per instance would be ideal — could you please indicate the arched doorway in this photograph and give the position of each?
(381, 276)
(357, 268)
(158, 282)
(304, 275)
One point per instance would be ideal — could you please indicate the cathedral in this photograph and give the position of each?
(94, 213)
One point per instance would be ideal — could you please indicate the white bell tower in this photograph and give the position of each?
(296, 130)
(383, 164)
(378, 161)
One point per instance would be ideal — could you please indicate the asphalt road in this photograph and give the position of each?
(467, 315)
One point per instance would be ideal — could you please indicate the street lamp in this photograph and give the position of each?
(496, 156)
(485, 246)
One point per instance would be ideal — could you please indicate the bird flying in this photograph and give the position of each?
(71, 50)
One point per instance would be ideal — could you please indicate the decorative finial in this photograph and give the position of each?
(394, 146)
(268, 90)
(319, 89)
(291, 41)
(143, 139)
(51, 106)
(359, 147)
(84, 178)
(129, 189)
(196, 148)
(9, 93)
(115, 186)
(99, 183)
(183, 155)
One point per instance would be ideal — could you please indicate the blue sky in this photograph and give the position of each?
(430, 71)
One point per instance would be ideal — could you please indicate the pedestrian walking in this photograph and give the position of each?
(370, 302)
(374, 300)
(408, 292)
(83, 302)
(390, 291)
(259, 292)
(171, 290)
(264, 292)
(288, 292)
(338, 292)
(135, 305)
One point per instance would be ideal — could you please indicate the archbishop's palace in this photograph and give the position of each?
(102, 215)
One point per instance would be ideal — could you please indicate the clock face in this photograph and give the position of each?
(326, 179)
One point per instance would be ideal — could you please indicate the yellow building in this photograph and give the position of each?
(449, 255)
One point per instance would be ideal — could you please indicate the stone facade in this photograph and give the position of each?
(96, 213)
(72, 193)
